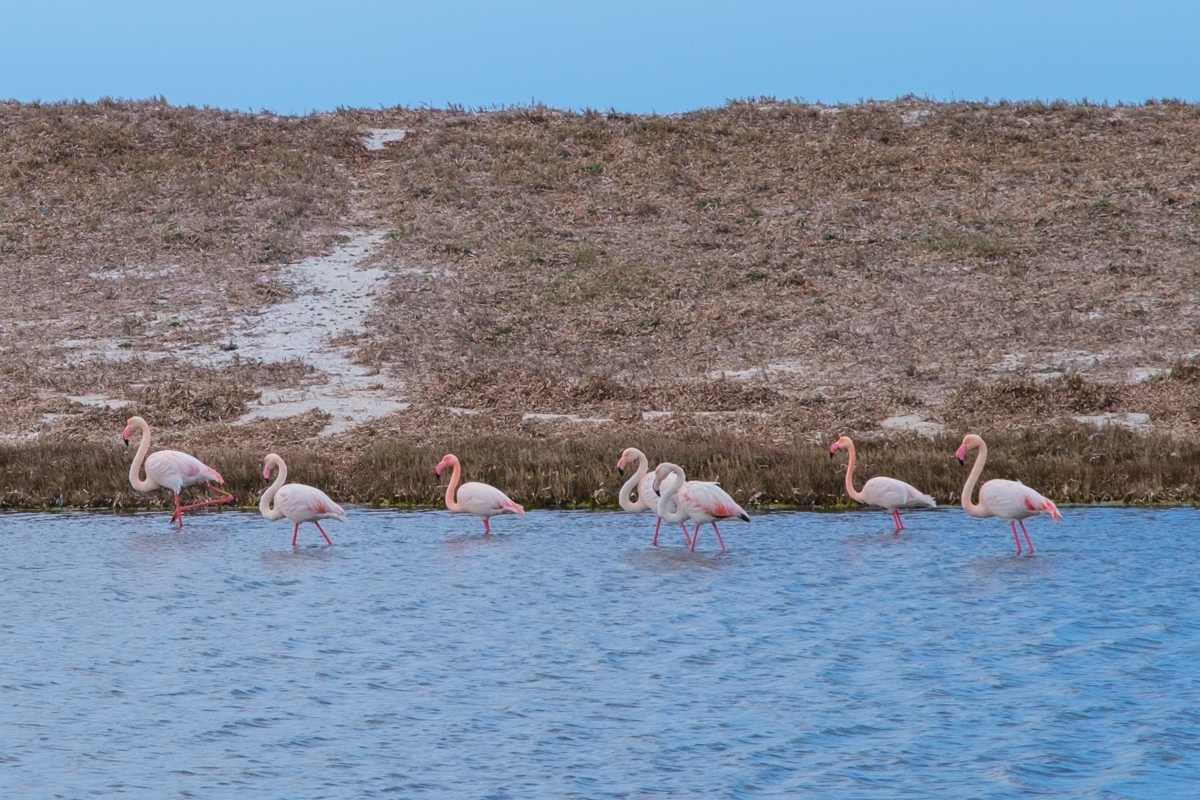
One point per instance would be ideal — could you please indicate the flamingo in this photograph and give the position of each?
(699, 501)
(1010, 500)
(170, 469)
(647, 497)
(297, 502)
(887, 493)
(480, 499)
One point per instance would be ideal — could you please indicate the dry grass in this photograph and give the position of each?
(793, 272)
(868, 253)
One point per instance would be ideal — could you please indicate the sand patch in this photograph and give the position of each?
(333, 297)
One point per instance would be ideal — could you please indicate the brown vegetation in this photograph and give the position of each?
(772, 274)
(1072, 465)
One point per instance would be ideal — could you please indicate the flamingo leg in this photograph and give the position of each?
(719, 539)
(295, 530)
(685, 533)
(695, 536)
(1026, 537)
(177, 515)
(1012, 524)
(899, 524)
(655, 541)
(322, 530)
(227, 498)
(486, 528)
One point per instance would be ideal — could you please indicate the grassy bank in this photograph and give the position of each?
(1070, 465)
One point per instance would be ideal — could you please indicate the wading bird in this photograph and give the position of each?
(643, 480)
(1010, 500)
(887, 493)
(170, 469)
(479, 499)
(699, 501)
(297, 502)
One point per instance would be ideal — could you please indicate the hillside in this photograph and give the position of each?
(777, 273)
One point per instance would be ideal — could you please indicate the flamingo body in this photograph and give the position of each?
(893, 494)
(480, 499)
(485, 501)
(296, 501)
(700, 501)
(170, 469)
(1010, 500)
(1013, 500)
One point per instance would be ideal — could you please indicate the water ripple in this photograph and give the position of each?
(566, 657)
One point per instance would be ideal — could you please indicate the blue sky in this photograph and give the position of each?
(298, 56)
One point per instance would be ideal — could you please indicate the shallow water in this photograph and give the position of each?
(565, 657)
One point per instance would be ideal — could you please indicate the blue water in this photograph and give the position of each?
(564, 657)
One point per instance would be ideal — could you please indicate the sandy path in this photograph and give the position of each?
(334, 296)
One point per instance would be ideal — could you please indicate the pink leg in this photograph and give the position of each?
(295, 530)
(1013, 525)
(655, 542)
(486, 528)
(719, 539)
(177, 515)
(695, 536)
(899, 524)
(685, 533)
(322, 530)
(226, 498)
(1026, 536)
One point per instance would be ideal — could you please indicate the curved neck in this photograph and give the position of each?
(450, 501)
(627, 488)
(850, 490)
(969, 488)
(264, 504)
(135, 469)
(669, 488)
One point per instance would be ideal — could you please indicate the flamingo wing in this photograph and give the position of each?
(175, 470)
(706, 502)
(485, 501)
(1015, 500)
(890, 493)
(301, 503)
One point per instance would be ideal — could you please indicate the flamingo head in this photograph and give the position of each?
(842, 442)
(448, 460)
(969, 442)
(125, 434)
(622, 461)
(267, 463)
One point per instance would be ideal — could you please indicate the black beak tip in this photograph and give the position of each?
(831, 454)
(962, 463)
(127, 443)
(620, 470)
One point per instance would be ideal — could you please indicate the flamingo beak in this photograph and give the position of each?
(438, 470)
(127, 443)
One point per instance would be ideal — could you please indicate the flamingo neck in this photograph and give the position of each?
(850, 490)
(969, 488)
(451, 503)
(636, 479)
(669, 488)
(264, 504)
(135, 469)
